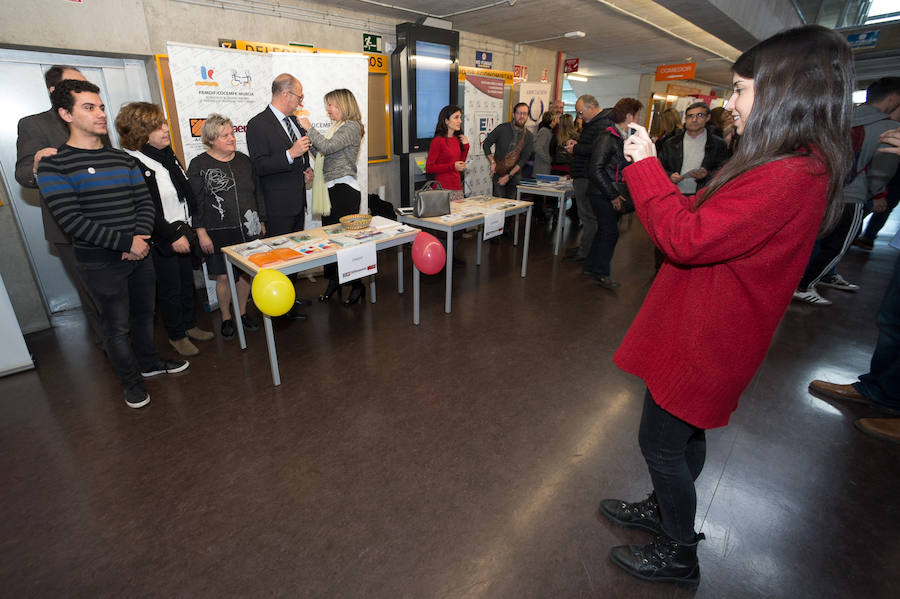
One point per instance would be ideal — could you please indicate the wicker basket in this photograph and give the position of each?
(356, 221)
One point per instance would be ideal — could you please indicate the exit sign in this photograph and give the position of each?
(372, 43)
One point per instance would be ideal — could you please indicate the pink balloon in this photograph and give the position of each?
(428, 254)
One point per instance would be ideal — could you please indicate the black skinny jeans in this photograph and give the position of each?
(675, 452)
(175, 292)
(344, 201)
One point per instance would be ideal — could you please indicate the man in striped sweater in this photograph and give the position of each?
(98, 196)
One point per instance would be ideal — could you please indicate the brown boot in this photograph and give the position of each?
(198, 334)
(887, 429)
(184, 347)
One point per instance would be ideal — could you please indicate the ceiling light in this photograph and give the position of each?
(568, 35)
(572, 77)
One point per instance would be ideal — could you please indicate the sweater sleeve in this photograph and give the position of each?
(490, 140)
(738, 220)
(347, 135)
(62, 201)
(144, 210)
(438, 161)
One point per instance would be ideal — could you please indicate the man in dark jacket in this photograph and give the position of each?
(505, 140)
(588, 109)
(693, 155)
(607, 190)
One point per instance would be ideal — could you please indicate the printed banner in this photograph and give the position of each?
(205, 80)
(537, 96)
(483, 111)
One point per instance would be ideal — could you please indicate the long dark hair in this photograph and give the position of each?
(446, 112)
(802, 80)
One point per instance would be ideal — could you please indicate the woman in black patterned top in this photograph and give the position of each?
(230, 210)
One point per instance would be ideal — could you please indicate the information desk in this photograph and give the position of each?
(238, 256)
(562, 191)
(469, 212)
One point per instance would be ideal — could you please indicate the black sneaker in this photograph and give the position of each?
(228, 331)
(136, 397)
(250, 323)
(167, 367)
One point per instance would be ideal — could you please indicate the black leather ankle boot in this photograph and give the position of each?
(641, 514)
(663, 560)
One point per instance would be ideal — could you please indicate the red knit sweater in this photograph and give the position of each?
(442, 153)
(708, 319)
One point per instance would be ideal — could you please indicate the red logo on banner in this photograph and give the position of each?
(571, 65)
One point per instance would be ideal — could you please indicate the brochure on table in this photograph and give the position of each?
(271, 251)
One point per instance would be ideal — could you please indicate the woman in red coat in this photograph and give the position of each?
(448, 151)
(734, 253)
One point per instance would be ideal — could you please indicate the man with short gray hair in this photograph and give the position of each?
(589, 110)
(278, 148)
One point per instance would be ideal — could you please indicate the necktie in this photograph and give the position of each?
(290, 128)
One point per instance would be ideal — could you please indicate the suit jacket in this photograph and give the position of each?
(282, 183)
(36, 132)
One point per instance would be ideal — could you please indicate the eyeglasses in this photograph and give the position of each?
(695, 116)
(299, 96)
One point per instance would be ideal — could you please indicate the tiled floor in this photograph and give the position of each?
(460, 458)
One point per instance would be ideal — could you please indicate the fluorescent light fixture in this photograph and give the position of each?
(569, 35)
(573, 77)
(859, 96)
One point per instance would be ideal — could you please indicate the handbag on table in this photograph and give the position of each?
(430, 201)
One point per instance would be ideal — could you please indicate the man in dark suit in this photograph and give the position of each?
(39, 137)
(278, 148)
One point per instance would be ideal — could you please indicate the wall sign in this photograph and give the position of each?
(669, 72)
(571, 65)
(484, 60)
(372, 43)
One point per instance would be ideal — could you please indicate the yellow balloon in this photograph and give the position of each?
(273, 292)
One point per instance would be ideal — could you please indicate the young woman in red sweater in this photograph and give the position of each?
(734, 254)
(448, 151)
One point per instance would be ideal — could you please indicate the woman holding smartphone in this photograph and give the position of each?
(707, 322)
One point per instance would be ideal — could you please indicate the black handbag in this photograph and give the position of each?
(430, 201)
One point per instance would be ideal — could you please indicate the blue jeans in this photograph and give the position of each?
(675, 452)
(881, 384)
(124, 295)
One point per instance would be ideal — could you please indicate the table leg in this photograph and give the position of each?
(372, 289)
(273, 357)
(560, 224)
(480, 237)
(415, 294)
(448, 266)
(516, 231)
(527, 239)
(235, 309)
(400, 269)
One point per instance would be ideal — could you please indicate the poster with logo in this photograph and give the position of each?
(483, 111)
(537, 96)
(205, 80)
